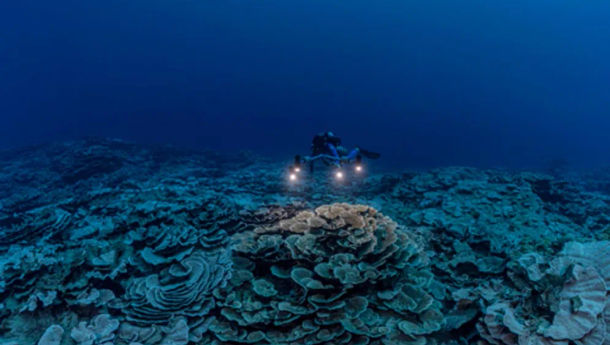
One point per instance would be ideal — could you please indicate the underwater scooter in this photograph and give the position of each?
(295, 172)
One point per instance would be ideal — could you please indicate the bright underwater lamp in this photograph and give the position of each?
(358, 168)
(292, 177)
(339, 175)
(295, 170)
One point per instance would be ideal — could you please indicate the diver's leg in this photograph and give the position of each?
(369, 154)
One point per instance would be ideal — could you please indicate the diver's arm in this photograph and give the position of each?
(334, 152)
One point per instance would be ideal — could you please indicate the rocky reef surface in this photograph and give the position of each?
(106, 242)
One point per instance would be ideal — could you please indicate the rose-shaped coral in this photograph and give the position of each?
(182, 290)
(336, 275)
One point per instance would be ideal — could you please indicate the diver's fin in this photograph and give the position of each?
(369, 154)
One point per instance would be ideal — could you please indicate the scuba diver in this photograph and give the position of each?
(327, 147)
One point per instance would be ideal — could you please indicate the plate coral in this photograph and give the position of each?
(107, 242)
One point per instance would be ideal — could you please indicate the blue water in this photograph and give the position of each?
(427, 83)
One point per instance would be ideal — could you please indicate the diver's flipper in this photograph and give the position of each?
(369, 154)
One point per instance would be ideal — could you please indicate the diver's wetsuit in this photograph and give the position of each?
(329, 144)
(325, 143)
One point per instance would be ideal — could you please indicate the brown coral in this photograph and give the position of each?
(338, 274)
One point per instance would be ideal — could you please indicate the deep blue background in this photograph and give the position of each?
(428, 83)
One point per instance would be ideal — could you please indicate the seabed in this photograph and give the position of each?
(107, 242)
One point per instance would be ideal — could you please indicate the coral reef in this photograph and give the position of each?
(561, 301)
(184, 289)
(108, 242)
(341, 274)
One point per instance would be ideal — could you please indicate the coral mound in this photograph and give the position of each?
(340, 274)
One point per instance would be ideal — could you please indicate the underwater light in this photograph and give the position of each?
(339, 175)
(293, 177)
(358, 168)
(297, 169)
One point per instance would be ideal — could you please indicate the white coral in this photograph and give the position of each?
(582, 300)
(583, 303)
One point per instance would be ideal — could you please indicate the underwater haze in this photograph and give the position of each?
(426, 83)
(163, 182)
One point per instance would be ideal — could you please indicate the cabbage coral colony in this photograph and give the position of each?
(104, 242)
